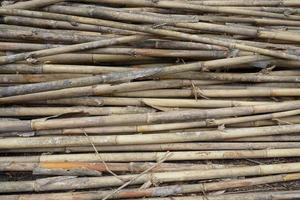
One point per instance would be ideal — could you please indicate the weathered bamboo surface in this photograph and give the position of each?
(149, 99)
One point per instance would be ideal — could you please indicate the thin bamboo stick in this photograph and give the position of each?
(32, 4)
(48, 111)
(214, 93)
(119, 101)
(166, 147)
(62, 141)
(248, 196)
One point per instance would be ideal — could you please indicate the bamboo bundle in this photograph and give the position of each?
(168, 190)
(173, 99)
(71, 182)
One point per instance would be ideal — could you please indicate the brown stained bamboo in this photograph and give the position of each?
(208, 93)
(63, 141)
(71, 182)
(33, 88)
(48, 111)
(166, 190)
(32, 4)
(170, 116)
(190, 37)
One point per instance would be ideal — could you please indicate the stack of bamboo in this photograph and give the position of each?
(156, 99)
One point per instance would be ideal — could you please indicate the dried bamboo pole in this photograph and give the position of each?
(48, 111)
(184, 93)
(133, 167)
(166, 190)
(153, 156)
(39, 35)
(165, 147)
(282, 3)
(254, 21)
(71, 182)
(294, 10)
(163, 32)
(32, 4)
(245, 195)
(35, 78)
(62, 141)
(118, 101)
(93, 59)
(245, 77)
(279, 138)
(102, 89)
(163, 117)
(260, 139)
(57, 69)
(150, 43)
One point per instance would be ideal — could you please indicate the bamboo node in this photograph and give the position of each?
(233, 53)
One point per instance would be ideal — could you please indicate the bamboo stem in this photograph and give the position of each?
(65, 183)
